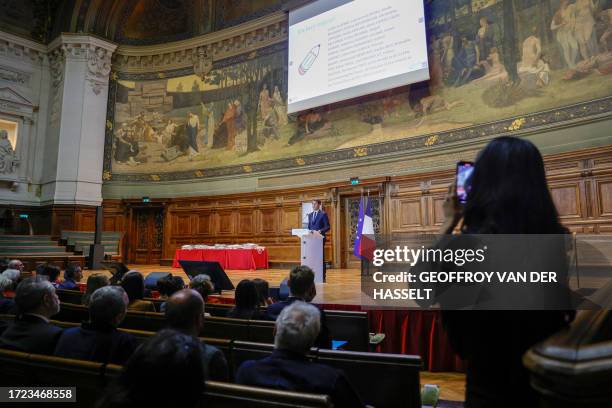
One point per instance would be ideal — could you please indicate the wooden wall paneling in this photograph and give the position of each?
(268, 220)
(246, 222)
(204, 222)
(569, 198)
(603, 197)
(408, 214)
(580, 182)
(225, 222)
(181, 223)
(291, 217)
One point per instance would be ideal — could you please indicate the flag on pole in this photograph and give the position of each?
(364, 239)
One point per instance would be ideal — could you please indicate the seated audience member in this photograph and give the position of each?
(247, 300)
(72, 276)
(289, 368)
(3, 264)
(6, 304)
(263, 290)
(167, 287)
(99, 340)
(36, 302)
(13, 275)
(95, 281)
(16, 264)
(133, 283)
(508, 195)
(52, 273)
(169, 359)
(185, 312)
(302, 287)
(203, 285)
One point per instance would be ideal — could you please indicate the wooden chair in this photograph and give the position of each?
(225, 328)
(381, 380)
(350, 326)
(69, 296)
(261, 331)
(70, 312)
(226, 395)
(23, 369)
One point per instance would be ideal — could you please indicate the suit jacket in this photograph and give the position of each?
(290, 371)
(320, 223)
(96, 342)
(215, 363)
(7, 305)
(68, 284)
(324, 339)
(31, 334)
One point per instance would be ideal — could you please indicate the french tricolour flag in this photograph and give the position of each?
(364, 240)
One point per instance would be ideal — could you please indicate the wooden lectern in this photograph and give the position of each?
(311, 254)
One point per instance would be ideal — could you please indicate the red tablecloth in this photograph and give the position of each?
(249, 259)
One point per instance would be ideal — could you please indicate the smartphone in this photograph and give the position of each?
(464, 171)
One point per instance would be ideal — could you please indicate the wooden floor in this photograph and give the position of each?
(343, 286)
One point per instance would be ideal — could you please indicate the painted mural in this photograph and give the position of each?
(490, 60)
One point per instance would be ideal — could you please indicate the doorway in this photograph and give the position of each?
(146, 235)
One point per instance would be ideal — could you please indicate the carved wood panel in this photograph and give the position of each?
(568, 199)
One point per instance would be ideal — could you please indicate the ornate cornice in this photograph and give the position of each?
(201, 51)
(21, 48)
(95, 51)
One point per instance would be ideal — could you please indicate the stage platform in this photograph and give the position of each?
(342, 286)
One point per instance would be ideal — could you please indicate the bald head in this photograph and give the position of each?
(185, 311)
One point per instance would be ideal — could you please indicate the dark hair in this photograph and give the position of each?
(94, 281)
(508, 191)
(71, 269)
(133, 284)
(246, 295)
(317, 201)
(263, 290)
(169, 285)
(301, 279)
(3, 264)
(182, 313)
(169, 358)
(49, 270)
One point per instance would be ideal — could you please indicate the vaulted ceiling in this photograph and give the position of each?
(128, 21)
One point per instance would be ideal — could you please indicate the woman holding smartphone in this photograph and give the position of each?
(507, 194)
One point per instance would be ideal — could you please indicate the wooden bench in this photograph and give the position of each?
(90, 379)
(382, 380)
(350, 326)
(80, 241)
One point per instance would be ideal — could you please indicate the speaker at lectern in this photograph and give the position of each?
(311, 251)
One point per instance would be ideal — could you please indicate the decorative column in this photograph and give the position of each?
(80, 66)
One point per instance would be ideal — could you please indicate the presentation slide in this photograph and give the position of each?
(341, 49)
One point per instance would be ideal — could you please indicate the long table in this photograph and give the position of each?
(228, 258)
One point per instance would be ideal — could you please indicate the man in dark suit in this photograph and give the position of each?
(288, 368)
(99, 340)
(318, 221)
(302, 288)
(185, 313)
(31, 332)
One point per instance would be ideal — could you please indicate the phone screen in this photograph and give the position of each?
(464, 171)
